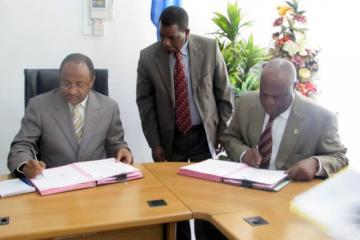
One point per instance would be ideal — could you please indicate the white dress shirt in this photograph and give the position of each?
(277, 133)
(81, 109)
(194, 112)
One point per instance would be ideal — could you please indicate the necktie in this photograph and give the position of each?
(265, 144)
(78, 122)
(182, 110)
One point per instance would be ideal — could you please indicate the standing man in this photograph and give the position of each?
(280, 129)
(183, 93)
(70, 124)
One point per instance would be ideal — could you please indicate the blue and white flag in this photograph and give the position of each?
(157, 6)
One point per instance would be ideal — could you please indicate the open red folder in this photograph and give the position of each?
(237, 174)
(84, 175)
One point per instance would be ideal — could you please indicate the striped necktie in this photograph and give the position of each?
(265, 144)
(78, 122)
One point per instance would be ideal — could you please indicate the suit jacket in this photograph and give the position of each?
(155, 94)
(310, 131)
(47, 128)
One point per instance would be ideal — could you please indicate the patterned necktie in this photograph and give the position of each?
(182, 110)
(78, 122)
(265, 144)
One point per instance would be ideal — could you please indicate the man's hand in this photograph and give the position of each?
(125, 156)
(33, 168)
(252, 157)
(158, 154)
(304, 170)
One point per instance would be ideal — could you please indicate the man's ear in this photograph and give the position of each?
(187, 32)
(92, 82)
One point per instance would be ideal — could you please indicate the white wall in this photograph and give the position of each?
(40, 33)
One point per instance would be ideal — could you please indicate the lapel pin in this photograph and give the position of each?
(296, 131)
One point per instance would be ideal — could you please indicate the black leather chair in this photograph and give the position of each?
(39, 81)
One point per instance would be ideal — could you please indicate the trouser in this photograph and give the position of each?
(193, 146)
(203, 231)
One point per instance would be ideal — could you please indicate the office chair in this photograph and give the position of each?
(39, 81)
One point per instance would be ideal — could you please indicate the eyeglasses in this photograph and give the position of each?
(68, 85)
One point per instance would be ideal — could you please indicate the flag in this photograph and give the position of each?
(157, 6)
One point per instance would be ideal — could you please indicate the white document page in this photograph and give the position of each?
(100, 169)
(215, 167)
(59, 177)
(14, 187)
(334, 205)
(258, 175)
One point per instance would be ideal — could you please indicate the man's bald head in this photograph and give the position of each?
(281, 70)
(277, 85)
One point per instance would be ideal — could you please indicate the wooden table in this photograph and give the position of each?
(226, 206)
(116, 211)
(120, 211)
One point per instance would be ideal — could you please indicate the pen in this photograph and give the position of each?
(25, 180)
(35, 157)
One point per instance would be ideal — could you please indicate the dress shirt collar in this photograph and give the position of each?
(82, 104)
(184, 49)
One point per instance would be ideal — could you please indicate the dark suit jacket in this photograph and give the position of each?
(47, 123)
(155, 94)
(310, 131)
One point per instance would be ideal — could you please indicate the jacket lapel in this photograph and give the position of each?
(163, 64)
(195, 61)
(291, 134)
(62, 117)
(92, 118)
(257, 116)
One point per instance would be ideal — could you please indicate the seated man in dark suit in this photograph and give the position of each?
(70, 124)
(280, 129)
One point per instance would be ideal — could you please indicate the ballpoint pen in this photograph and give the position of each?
(35, 157)
(27, 181)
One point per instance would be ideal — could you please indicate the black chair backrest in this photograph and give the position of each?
(38, 81)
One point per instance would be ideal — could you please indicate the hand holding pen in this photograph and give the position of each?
(252, 157)
(33, 167)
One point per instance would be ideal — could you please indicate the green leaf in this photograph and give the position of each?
(230, 25)
(241, 56)
(293, 5)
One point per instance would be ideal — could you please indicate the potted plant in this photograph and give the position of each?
(242, 57)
